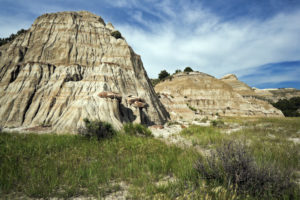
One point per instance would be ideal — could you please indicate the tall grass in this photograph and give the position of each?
(66, 166)
(63, 166)
(204, 136)
(137, 129)
(268, 142)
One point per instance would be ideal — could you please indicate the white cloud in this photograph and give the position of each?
(189, 35)
(197, 38)
(272, 73)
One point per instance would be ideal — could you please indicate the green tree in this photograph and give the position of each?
(3, 41)
(163, 74)
(289, 107)
(116, 34)
(188, 69)
(177, 71)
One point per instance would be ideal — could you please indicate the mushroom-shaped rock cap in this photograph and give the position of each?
(139, 104)
(111, 95)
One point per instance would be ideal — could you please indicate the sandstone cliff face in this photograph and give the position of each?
(53, 74)
(272, 95)
(197, 94)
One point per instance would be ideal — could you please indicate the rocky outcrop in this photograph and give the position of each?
(270, 95)
(68, 67)
(274, 95)
(238, 85)
(195, 95)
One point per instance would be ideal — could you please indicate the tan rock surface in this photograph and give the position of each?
(238, 85)
(275, 95)
(195, 95)
(53, 73)
(272, 95)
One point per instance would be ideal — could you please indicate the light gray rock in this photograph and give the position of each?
(54, 72)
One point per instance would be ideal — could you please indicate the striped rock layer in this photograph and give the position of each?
(196, 95)
(53, 74)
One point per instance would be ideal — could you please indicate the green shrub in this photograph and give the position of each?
(97, 129)
(177, 71)
(191, 108)
(217, 123)
(136, 129)
(233, 165)
(154, 81)
(116, 34)
(163, 75)
(188, 69)
(290, 108)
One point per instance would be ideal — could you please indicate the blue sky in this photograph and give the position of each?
(258, 40)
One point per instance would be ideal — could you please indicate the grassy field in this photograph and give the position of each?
(50, 165)
(68, 166)
(271, 141)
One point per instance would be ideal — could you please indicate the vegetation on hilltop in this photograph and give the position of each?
(116, 34)
(188, 69)
(11, 37)
(164, 75)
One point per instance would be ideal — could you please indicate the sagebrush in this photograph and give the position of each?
(233, 165)
(97, 129)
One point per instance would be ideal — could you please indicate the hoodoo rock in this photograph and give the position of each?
(68, 67)
(195, 94)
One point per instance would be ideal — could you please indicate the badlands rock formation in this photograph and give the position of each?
(275, 95)
(194, 95)
(55, 74)
(238, 85)
(272, 95)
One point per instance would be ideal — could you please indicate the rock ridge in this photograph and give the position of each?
(197, 95)
(53, 73)
(270, 95)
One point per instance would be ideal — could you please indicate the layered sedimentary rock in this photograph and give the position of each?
(238, 85)
(54, 73)
(272, 95)
(194, 95)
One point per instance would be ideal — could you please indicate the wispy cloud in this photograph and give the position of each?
(200, 39)
(284, 74)
(215, 37)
